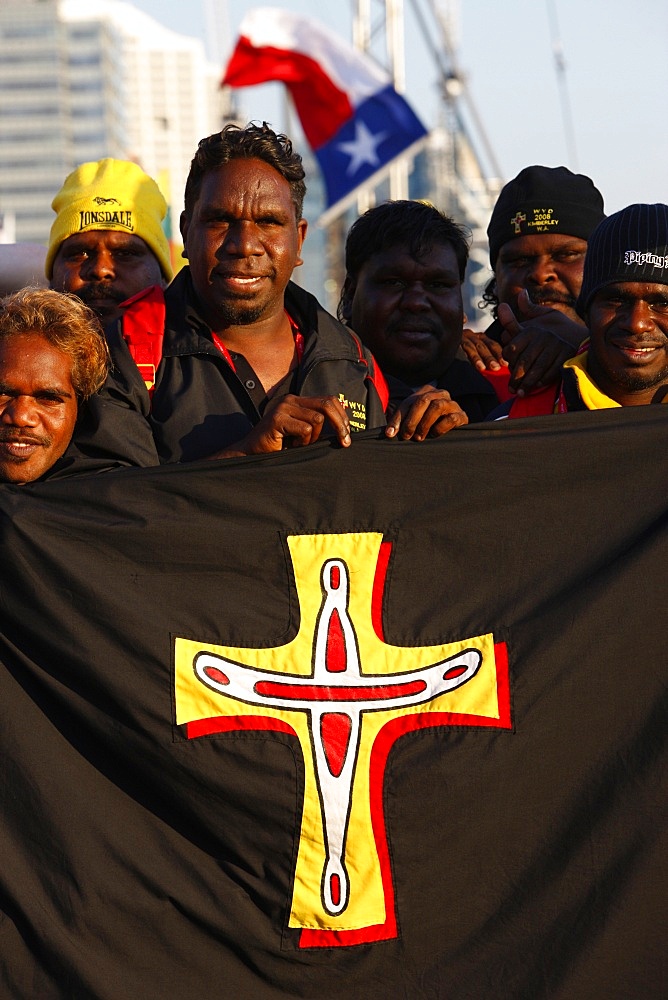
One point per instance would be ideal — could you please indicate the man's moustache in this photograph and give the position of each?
(100, 290)
(540, 298)
(9, 435)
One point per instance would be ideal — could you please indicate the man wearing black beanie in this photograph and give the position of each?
(624, 302)
(538, 236)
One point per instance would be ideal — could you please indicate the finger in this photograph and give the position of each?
(335, 412)
(491, 354)
(508, 320)
(410, 410)
(328, 407)
(534, 362)
(516, 347)
(522, 353)
(481, 351)
(431, 417)
(543, 367)
(412, 418)
(291, 427)
(440, 420)
(550, 373)
(395, 421)
(528, 362)
(448, 422)
(471, 348)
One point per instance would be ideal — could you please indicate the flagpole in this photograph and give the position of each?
(394, 33)
(394, 41)
(361, 30)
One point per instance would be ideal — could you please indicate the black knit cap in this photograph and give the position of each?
(631, 245)
(544, 200)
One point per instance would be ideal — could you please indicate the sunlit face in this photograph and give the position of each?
(104, 268)
(548, 266)
(243, 241)
(38, 406)
(628, 353)
(408, 311)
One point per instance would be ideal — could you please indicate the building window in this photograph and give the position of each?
(83, 34)
(84, 59)
(29, 112)
(86, 86)
(9, 58)
(97, 111)
(6, 189)
(15, 31)
(89, 138)
(29, 84)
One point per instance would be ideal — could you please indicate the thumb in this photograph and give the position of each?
(508, 320)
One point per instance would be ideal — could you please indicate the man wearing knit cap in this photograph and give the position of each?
(538, 236)
(107, 242)
(624, 301)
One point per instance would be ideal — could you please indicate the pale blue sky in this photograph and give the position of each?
(617, 72)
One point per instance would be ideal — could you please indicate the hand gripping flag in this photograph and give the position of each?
(353, 118)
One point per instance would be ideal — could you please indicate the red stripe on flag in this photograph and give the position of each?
(379, 588)
(321, 106)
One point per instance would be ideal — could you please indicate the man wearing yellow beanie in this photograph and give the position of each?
(107, 242)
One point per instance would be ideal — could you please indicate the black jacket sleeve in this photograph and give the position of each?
(113, 425)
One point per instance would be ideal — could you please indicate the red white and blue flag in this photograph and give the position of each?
(353, 118)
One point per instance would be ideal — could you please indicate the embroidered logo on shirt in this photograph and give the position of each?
(356, 412)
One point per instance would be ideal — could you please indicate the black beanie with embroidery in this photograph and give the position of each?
(631, 245)
(544, 200)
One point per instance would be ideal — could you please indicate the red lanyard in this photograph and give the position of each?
(223, 350)
(296, 333)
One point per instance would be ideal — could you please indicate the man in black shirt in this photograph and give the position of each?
(405, 263)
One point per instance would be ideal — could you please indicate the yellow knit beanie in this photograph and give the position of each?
(110, 194)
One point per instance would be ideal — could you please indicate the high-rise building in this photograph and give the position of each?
(84, 79)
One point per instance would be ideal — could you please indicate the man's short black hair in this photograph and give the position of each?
(254, 142)
(415, 225)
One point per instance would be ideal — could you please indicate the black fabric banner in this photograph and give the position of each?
(385, 722)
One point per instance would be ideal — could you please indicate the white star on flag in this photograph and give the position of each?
(363, 148)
